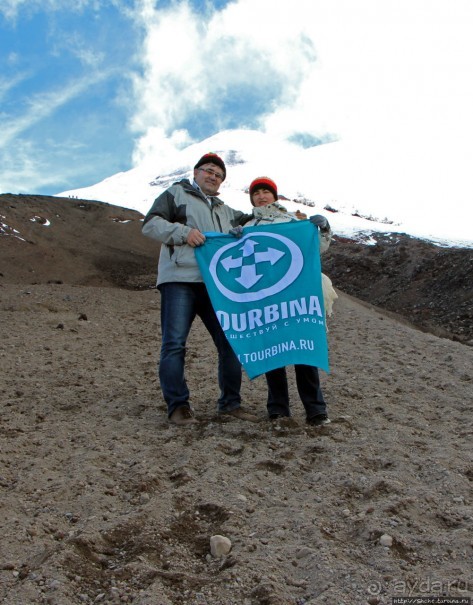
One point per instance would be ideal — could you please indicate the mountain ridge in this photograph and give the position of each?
(46, 239)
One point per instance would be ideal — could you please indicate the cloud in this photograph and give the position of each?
(390, 81)
(10, 9)
(348, 71)
(8, 84)
(208, 70)
(389, 73)
(28, 169)
(79, 47)
(43, 163)
(42, 105)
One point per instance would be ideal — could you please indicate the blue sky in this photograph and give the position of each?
(64, 86)
(92, 90)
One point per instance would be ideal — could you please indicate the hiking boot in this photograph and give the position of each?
(241, 415)
(183, 416)
(319, 420)
(277, 416)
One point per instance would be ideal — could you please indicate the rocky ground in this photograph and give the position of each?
(431, 287)
(103, 502)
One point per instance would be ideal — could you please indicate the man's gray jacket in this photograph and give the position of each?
(174, 213)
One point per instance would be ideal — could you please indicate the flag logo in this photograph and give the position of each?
(257, 266)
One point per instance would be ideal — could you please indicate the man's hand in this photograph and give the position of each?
(300, 216)
(195, 238)
(320, 221)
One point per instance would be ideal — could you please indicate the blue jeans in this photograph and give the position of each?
(180, 303)
(308, 386)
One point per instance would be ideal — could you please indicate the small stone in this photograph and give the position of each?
(303, 552)
(219, 546)
(386, 540)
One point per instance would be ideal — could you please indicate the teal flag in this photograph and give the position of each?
(266, 289)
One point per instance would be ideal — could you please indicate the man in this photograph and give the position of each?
(177, 219)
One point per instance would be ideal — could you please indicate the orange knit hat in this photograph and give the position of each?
(263, 182)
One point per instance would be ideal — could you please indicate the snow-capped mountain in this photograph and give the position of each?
(327, 179)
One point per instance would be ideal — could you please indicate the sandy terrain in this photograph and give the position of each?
(103, 502)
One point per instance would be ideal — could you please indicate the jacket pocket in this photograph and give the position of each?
(183, 256)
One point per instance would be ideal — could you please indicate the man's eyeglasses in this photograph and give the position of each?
(217, 175)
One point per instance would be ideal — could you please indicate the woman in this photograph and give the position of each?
(264, 195)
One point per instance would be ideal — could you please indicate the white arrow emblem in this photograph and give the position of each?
(247, 259)
(248, 276)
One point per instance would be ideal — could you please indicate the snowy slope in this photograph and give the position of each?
(328, 176)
